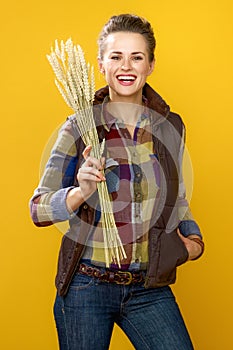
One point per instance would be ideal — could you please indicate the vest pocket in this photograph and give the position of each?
(166, 253)
(172, 254)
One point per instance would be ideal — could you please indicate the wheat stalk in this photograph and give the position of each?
(75, 81)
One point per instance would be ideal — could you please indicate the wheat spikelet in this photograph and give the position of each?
(76, 83)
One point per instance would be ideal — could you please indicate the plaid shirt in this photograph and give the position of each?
(133, 178)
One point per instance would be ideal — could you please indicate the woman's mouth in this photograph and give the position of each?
(126, 79)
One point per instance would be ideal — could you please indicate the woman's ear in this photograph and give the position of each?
(101, 68)
(151, 67)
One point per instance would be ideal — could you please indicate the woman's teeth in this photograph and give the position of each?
(126, 78)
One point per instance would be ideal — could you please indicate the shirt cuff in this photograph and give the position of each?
(189, 227)
(59, 208)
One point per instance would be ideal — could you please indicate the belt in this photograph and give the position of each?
(118, 277)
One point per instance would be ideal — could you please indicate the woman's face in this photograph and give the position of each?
(125, 64)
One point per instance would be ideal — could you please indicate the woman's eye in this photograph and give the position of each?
(115, 58)
(137, 58)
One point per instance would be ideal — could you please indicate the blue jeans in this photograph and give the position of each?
(149, 317)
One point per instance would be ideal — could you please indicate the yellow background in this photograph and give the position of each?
(194, 75)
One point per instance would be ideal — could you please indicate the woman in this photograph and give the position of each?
(143, 156)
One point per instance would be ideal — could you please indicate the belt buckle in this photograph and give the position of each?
(129, 276)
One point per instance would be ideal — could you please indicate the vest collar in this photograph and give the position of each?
(154, 100)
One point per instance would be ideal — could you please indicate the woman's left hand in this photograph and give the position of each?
(193, 248)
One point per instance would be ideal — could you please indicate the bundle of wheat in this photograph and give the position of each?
(76, 83)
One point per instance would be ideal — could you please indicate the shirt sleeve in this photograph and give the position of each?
(187, 224)
(48, 203)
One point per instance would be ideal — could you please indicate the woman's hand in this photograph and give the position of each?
(194, 249)
(88, 176)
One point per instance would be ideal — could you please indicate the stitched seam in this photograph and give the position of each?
(132, 325)
(65, 324)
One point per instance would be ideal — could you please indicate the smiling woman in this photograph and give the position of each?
(126, 66)
(144, 145)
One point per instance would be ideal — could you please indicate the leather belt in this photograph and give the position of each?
(118, 277)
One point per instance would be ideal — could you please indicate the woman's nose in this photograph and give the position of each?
(125, 65)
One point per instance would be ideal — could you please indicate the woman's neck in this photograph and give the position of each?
(126, 108)
(128, 113)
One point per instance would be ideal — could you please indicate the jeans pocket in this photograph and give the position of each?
(81, 282)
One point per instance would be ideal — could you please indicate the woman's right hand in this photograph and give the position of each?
(89, 174)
